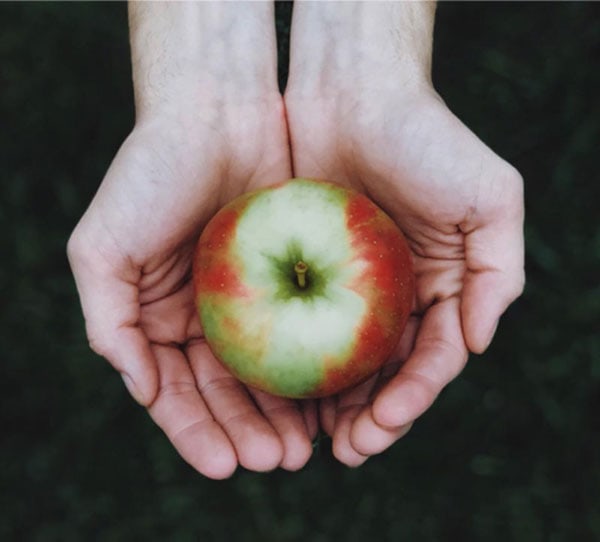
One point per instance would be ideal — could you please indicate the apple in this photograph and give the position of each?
(303, 288)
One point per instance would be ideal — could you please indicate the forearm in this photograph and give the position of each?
(365, 39)
(190, 51)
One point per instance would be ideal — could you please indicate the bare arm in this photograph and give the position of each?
(193, 51)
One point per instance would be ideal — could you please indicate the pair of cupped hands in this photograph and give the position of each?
(382, 133)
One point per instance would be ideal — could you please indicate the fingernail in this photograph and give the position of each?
(132, 388)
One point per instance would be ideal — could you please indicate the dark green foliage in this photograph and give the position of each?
(508, 452)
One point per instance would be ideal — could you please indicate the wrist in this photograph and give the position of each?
(360, 44)
(189, 54)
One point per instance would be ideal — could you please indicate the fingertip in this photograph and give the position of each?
(145, 386)
(485, 298)
(342, 449)
(345, 453)
(220, 466)
(287, 418)
(297, 453)
(128, 351)
(479, 344)
(207, 449)
(261, 454)
(133, 390)
(368, 438)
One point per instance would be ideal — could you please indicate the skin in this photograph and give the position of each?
(210, 125)
(362, 111)
(316, 338)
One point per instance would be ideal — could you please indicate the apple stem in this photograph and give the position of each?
(300, 269)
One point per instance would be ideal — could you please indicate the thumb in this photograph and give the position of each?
(109, 300)
(495, 275)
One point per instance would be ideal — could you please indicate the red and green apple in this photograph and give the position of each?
(303, 288)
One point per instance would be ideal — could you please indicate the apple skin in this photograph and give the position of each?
(310, 341)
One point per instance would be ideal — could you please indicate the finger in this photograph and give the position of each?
(256, 442)
(182, 414)
(369, 438)
(109, 300)
(366, 436)
(406, 343)
(328, 406)
(310, 413)
(181, 325)
(349, 407)
(495, 276)
(327, 410)
(399, 356)
(287, 419)
(439, 356)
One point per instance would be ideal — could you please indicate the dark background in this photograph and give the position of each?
(508, 452)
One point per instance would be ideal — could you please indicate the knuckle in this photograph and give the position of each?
(98, 342)
(513, 176)
(73, 246)
(177, 389)
(98, 346)
(76, 247)
(512, 185)
(518, 285)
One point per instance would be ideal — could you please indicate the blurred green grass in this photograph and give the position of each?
(508, 452)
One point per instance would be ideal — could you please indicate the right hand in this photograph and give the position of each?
(131, 256)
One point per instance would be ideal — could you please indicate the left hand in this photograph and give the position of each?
(386, 132)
